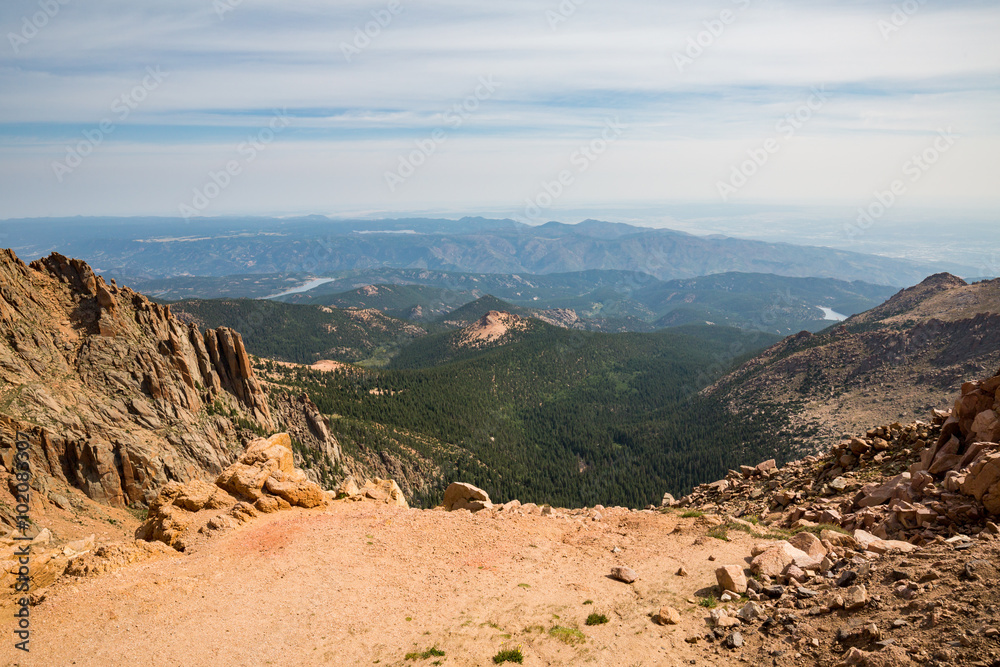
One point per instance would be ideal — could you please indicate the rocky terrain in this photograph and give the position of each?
(892, 363)
(882, 550)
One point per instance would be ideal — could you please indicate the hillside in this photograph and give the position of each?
(558, 317)
(411, 302)
(523, 408)
(775, 304)
(158, 248)
(891, 363)
(117, 396)
(304, 334)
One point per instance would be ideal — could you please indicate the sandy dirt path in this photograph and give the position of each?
(364, 584)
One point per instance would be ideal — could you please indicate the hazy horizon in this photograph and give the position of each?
(527, 110)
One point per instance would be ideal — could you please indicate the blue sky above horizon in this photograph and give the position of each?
(559, 72)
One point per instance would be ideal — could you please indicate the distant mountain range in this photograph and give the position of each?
(132, 248)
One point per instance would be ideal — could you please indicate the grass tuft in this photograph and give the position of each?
(567, 635)
(508, 655)
(432, 652)
(596, 619)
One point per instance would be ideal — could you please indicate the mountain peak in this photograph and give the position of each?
(490, 328)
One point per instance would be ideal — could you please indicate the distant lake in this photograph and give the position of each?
(315, 282)
(833, 315)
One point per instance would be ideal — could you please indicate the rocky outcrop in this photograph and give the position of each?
(262, 481)
(114, 395)
(374, 490)
(462, 496)
(320, 454)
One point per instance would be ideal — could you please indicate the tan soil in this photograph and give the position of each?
(360, 584)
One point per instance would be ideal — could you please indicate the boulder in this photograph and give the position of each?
(460, 495)
(349, 487)
(809, 543)
(384, 491)
(731, 578)
(277, 448)
(775, 559)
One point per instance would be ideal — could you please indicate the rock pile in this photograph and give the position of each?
(264, 480)
(918, 483)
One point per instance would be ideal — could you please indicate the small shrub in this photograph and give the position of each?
(596, 619)
(709, 602)
(692, 514)
(588, 602)
(567, 635)
(432, 652)
(508, 655)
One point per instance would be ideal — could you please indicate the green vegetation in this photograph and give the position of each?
(692, 514)
(567, 635)
(432, 652)
(719, 532)
(596, 619)
(562, 417)
(708, 602)
(302, 334)
(509, 655)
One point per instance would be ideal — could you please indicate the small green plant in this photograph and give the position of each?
(525, 585)
(432, 652)
(508, 655)
(719, 533)
(596, 619)
(567, 635)
(692, 514)
(139, 512)
(709, 602)
(588, 602)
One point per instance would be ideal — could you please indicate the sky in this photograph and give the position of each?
(873, 112)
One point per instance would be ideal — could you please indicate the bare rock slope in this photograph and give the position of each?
(892, 363)
(115, 396)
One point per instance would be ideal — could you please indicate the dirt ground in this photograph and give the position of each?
(364, 584)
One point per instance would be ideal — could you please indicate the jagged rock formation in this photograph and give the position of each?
(320, 453)
(892, 363)
(115, 396)
(264, 480)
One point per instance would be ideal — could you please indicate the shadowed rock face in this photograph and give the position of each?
(111, 390)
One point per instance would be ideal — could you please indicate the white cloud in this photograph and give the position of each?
(353, 119)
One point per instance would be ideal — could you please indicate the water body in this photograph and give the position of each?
(832, 315)
(315, 282)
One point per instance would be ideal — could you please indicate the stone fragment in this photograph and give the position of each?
(668, 616)
(622, 573)
(855, 597)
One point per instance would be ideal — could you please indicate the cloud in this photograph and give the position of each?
(559, 80)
